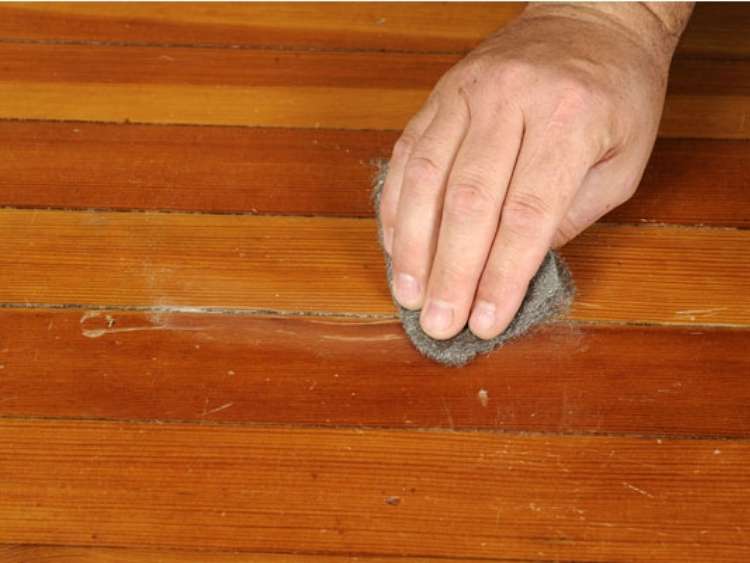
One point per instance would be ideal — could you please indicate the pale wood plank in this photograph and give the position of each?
(715, 30)
(333, 25)
(295, 89)
(624, 273)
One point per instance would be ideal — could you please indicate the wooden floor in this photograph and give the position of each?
(199, 359)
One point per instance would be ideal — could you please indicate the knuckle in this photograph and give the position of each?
(499, 281)
(467, 72)
(525, 214)
(575, 100)
(628, 190)
(450, 283)
(468, 200)
(422, 170)
(511, 73)
(404, 145)
(567, 230)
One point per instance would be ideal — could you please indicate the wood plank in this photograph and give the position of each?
(624, 273)
(295, 89)
(217, 169)
(343, 25)
(346, 492)
(78, 554)
(715, 30)
(304, 171)
(337, 371)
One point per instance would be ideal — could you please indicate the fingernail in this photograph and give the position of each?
(438, 317)
(388, 239)
(483, 316)
(407, 289)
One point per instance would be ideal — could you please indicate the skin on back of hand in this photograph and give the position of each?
(538, 132)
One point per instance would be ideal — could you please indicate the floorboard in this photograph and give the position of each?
(199, 357)
(716, 30)
(304, 172)
(297, 264)
(345, 372)
(75, 554)
(373, 492)
(249, 87)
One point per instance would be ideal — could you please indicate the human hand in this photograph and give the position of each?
(532, 137)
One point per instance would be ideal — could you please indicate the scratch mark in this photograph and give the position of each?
(217, 409)
(588, 305)
(448, 414)
(97, 332)
(89, 315)
(382, 338)
(637, 490)
(691, 314)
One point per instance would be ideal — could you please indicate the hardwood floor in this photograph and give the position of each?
(199, 358)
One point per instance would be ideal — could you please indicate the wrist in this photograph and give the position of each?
(655, 27)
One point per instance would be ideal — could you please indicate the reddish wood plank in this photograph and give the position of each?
(307, 172)
(186, 67)
(297, 264)
(715, 30)
(563, 378)
(693, 181)
(296, 89)
(430, 494)
(217, 169)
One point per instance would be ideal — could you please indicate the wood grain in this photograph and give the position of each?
(339, 371)
(343, 25)
(715, 30)
(429, 494)
(296, 89)
(77, 554)
(304, 172)
(624, 273)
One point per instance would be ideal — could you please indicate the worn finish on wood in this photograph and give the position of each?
(624, 273)
(374, 492)
(296, 89)
(715, 30)
(304, 171)
(337, 371)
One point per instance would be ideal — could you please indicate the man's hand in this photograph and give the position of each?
(537, 133)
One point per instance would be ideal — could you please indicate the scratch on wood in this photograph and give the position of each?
(98, 332)
(381, 338)
(89, 315)
(218, 409)
(448, 414)
(110, 326)
(694, 314)
(637, 490)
